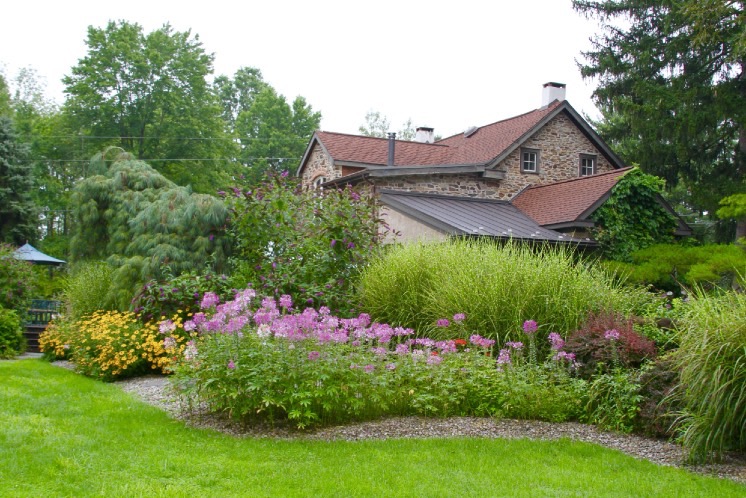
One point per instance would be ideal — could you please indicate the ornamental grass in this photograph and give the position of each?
(497, 286)
(712, 361)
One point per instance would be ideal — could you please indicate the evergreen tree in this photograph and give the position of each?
(145, 225)
(18, 214)
(671, 90)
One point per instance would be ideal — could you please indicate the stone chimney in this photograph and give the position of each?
(552, 91)
(425, 135)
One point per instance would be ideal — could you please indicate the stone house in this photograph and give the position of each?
(536, 176)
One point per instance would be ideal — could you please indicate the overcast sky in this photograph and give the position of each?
(447, 65)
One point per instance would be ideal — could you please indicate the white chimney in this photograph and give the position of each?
(425, 135)
(552, 91)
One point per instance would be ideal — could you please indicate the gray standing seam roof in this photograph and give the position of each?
(473, 217)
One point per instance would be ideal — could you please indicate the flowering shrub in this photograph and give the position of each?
(113, 344)
(309, 244)
(607, 340)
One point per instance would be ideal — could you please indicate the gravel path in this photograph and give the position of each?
(155, 391)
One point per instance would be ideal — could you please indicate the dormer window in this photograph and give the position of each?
(529, 160)
(318, 181)
(587, 165)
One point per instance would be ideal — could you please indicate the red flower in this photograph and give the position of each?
(433, 353)
(460, 342)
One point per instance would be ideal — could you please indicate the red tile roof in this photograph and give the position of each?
(481, 146)
(566, 201)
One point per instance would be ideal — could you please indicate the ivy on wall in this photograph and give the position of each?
(633, 217)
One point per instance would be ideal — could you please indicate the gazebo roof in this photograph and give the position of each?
(29, 253)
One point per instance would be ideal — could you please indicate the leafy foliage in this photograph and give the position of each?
(633, 217)
(658, 379)
(151, 92)
(309, 244)
(18, 213)
(377, 125)
(17, 282)
(145, 226)
(670, 90)
(180, 295)
(613, 401)
(12, 341)
(594, 351)
(87, 287)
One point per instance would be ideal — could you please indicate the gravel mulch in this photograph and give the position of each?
(155, 390)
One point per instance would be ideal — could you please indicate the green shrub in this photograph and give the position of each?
(613, 401)
(179, 295)
(498, 287)
(17, 281)
(12, 341)
(712, 361)
(670, 266)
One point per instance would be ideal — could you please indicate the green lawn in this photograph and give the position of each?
(65, 435)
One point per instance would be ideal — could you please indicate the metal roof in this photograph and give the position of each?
(28, 252)
(473, 217)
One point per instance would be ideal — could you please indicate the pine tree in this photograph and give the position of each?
(18, 213)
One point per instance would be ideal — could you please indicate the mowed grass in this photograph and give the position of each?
(65, 435)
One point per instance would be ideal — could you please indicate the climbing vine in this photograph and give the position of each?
(633, 217)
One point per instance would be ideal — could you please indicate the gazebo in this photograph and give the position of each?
(27, 252)
(42, 311)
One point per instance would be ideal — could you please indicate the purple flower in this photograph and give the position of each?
(443, 322)
(459, 317)
(351, 245)
(333, 243)
(211, 237)
(369, 368)
(556, 340)
(209, 300)
(478, 340)
(434, 360)
(169, 342)
(231, 365)
(504, 357)
(286, 301)
(284, 174)
(529, 327)
(314, 355)
(390, 366)
(517, 345)
(611, 335)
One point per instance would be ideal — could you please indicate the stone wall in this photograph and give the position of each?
(319, 164)
(467, 185)
(560, 144)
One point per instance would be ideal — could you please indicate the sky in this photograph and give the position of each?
(446, 65)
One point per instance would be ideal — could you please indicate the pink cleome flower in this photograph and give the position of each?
(529, 327)
(611, 335)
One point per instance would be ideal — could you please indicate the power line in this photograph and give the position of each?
(103, 137)
(163, 160)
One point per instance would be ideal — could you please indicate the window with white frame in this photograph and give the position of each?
(529, 161)
(587, 165)
(318, 181)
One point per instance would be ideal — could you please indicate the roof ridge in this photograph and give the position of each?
(551, 106)
(379, 138)
(605, 173)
